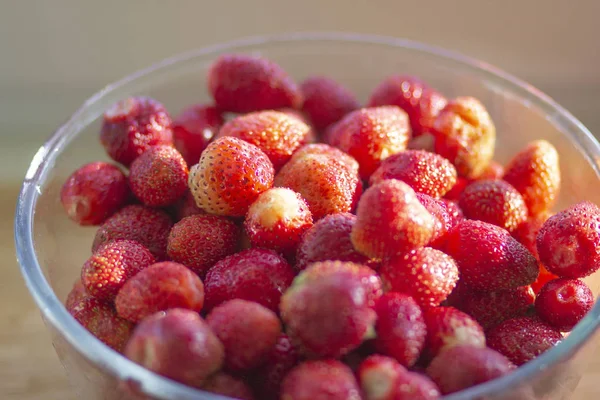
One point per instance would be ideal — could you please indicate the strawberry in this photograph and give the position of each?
(159, 287)
(229, 177)
(378, 375)
(258, 275)
(446, 215)
(325, 177)
(492, 308)
(227, 385)
(400, 327)
(535, 173)
(569, 242)
(526, 233)
(94, 192)
(148, 226)
(417, 99)
(391, 220)
(107, 270)
(281, 360)
(133, 125)
(185, 207)
(277, 220)
(76, 295)
(199, 241)
(489, 258)
(425, 172)
(326, 101)
(329, 239)
(324, 380)
(448, 327)
(542, 279)
(370, 135)
(523, 339)
(495, 202)
(277, 134)
(494, 170)
(562, 303)
(462, 367)
(242, 83)
(159, 176)
(177, 344)
(193, 130)
(465, 135)
(426, 274)
(247, 330)
(456, 191)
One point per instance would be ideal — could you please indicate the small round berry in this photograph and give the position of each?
(523, 339)
(495, 202)
(569, 242)
(132, 126)
(247, 330)
(257, 275)
(199, 241)
(159, 287)
(242, 83)
(277, 220)
(229, 177)
(323, 379)
(107, 270)
(193, 130)
(426, 274)
(326, 101)
(177, 344)
(147, 226)
(378, 375)
(448, 327)
(400, 327)
(159, 176)
(94, 192)
(562, 303)
(101, 320)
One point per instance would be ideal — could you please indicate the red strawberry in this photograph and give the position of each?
(378, 375)
(415, 386)
(147, 226)
(425, 172)
(327, 315)
(186, 207)
(495, 202)
(446, 215)
(526, 233)
(371, 135)
(492, 308)
(535, 173)
(562, 303)
(326, 101)
(391, 221)
(258, 275)
(159, 287)
(456, 191)
(400, 328)
(242, 83)
(107, 270)
(226, 385)
(277, 134)
(465, 135)
(229, 177)
(76, 295)
(325, 177)
(329, 239)
(428, 275)
(489, 258)
(177, 344)
(199, 241)
(94, 192)
(421, 102)
(322, 380)
(464, 366)
(193, 130)
(101, 320)
(132, 126)
(277, 220)
(542, 279)
(523, 339)
(448, 327)
(159, 176)
(281, 360)
(247, 330)
(569, 242)
(494, 170)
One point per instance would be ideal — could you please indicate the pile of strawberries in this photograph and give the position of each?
(285, 243)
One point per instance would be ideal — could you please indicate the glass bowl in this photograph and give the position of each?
(51, 249)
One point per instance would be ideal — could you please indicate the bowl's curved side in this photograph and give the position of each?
(160, 387)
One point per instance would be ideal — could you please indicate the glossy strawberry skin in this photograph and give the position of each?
(562, 303)
(326, 101)
(194, 129)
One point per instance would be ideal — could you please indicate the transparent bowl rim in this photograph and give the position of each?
(118, 366)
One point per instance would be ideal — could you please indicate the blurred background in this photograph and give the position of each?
(55, 54)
